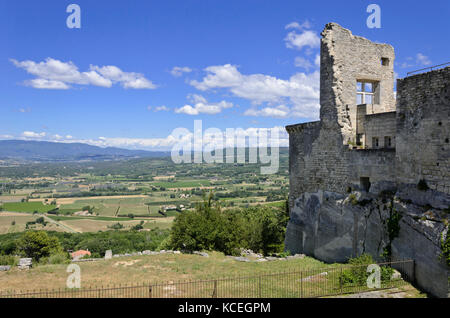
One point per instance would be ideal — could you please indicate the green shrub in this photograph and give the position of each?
(353, 199)
(138, 227)
(97, 243)
(445, 248)
(357, 274)
(208, 227)
(38, 244)
(8, 260)
(165, 244)
(59, 258)
(285, 254)
(116, 226)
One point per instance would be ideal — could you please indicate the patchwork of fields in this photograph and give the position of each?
(94, 197)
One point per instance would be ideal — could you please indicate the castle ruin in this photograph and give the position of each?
(372, 154)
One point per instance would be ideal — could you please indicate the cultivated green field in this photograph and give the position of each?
(27, 207)
(182, 184)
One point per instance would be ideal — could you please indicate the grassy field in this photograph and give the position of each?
(27, 207)
(152, 268)
(16, 223)
(95, 224)
(282, 276)
(94, 218)
(182, 184)
(161, 223)
(11, 198)
(85, 225)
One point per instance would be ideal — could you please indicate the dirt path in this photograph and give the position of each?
(387, 293)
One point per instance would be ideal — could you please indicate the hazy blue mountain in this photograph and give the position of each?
(24, 150)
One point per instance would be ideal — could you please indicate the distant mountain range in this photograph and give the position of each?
(44, 151)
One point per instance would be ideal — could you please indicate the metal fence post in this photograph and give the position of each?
(340, 282)
(301, 284)
(259, 287)
(214, 295)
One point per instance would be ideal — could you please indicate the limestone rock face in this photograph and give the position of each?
(332, 227)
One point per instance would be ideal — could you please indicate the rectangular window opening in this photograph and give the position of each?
(366, 92)
(365, 183)
(374, 142)
(387, 142)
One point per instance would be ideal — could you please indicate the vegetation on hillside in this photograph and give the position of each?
(209, 227)
(38, 244)
(445, 248)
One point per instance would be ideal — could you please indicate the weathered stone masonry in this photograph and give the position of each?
(376, 148)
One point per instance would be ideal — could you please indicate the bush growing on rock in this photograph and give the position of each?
(445, 247)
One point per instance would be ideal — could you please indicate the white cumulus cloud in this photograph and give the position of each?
(298, 41)
(281, 111)
(55, 74)
(298, 26)
(300, 91)
(201, 106)
(178, 71)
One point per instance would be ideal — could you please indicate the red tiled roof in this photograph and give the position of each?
(80, 253)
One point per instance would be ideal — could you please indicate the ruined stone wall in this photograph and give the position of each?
(346, 58)
(319, 154)
(376, 164)
(380, 125)
(317, 159)
(423, 129)
(326, 221)
(301, 138)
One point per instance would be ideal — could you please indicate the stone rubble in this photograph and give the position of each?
(25, 263)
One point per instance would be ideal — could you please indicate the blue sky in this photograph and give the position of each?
(138, 69)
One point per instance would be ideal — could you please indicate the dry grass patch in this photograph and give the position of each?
(86, 225)
(146, 269)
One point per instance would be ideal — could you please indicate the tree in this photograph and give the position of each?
(38, 244)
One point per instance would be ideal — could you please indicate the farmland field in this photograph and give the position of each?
(27, 207)
(153, 190)
(183, 184)
(11, 223)
(86, 225)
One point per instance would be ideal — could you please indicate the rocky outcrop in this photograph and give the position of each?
(333, 227)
